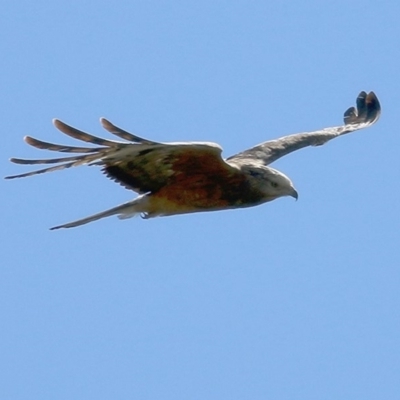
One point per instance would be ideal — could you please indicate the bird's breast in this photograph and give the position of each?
(203, 193)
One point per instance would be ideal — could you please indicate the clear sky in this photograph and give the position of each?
(289, 300)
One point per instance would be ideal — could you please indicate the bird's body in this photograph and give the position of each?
(179, 178)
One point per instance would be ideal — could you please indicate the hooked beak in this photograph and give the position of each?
(294, 193)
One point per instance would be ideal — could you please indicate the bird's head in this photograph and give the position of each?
(273, 183)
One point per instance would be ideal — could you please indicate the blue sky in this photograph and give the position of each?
(289, 300)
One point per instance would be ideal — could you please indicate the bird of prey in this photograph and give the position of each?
(187, 177)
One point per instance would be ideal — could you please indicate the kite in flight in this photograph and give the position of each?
(179, 178)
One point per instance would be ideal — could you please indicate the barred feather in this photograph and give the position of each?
(107, 125)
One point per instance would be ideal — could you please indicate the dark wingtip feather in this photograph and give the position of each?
(130, 137)
(58, 124)
(373, 106)
(350, 116)
(106, 124)
(80, 135)
(30, 162)
(29, 140)
(367, 109)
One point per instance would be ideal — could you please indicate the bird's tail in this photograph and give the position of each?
(126, 210)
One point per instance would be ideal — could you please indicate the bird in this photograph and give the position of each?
(187, 177)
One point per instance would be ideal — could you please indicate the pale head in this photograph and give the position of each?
(272, 183)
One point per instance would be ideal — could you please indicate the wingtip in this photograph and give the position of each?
(29, 140)
(15, 160)
(58, 124)
(373, 107)
(107, 125)
(14, 176)
(62, 126)
(371, 98)
(367, 109)
(104, 122)
(362, 94)
(54, 228)
(12, 159)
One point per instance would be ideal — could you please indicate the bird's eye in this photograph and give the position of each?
(255, 173)
(274, 184)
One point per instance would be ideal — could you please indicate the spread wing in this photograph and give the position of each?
(365, 113)
(138, 164)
